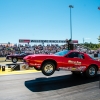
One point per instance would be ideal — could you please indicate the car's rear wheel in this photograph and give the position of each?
(91, 71)
(14, 60)
(48, 68)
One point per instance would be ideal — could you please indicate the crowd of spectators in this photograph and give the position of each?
(37, 49)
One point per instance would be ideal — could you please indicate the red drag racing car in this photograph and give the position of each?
(69, 60)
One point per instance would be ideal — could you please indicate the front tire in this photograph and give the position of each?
(14, 60)
(91, 71)
(48, 68)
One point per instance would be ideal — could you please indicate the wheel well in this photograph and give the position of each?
(94, 65)
(14, 57)
(49, 60)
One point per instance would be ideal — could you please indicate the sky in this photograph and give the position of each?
(49, 20)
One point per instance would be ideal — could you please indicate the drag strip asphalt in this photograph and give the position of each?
(60, 86)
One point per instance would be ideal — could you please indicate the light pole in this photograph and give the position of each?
(70, 6)
(83, 40)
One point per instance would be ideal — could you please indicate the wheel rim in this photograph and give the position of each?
(14, 59)
(48, 68)
(92, 71)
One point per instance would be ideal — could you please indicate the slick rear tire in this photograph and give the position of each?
(48, 68)
(14, 60)
(91, 71)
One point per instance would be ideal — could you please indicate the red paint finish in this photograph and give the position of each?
(63, 62)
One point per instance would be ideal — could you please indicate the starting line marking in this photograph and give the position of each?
(9, 72)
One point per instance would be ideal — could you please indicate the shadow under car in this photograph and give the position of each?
(58, 82)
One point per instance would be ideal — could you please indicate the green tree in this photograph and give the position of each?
(98, 39)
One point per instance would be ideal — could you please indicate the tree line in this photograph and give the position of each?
(93, 46)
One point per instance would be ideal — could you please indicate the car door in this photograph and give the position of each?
(73, 58)
(68, 60)
(80, 62)
(75, 61)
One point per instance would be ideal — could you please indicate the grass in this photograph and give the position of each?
(2, 59)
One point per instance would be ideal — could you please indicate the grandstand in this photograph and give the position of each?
(58, 45)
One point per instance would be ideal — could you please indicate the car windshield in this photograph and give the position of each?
(62, 53)
(92, 57)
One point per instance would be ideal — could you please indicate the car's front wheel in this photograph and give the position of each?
(48, 68)
(91, 71)
(14, 60)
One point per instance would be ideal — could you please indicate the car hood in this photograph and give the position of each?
(40, 55)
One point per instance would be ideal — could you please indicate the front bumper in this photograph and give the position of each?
(35, 65)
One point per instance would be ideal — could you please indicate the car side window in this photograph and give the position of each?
(81, 56)
(73, 54)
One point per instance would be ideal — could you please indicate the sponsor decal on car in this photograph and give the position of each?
(68, 68)
(37, 64)
(38, 61)
(74, 62)
(69, 61)
(82, 68)
(63, 68)
(74, 68)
